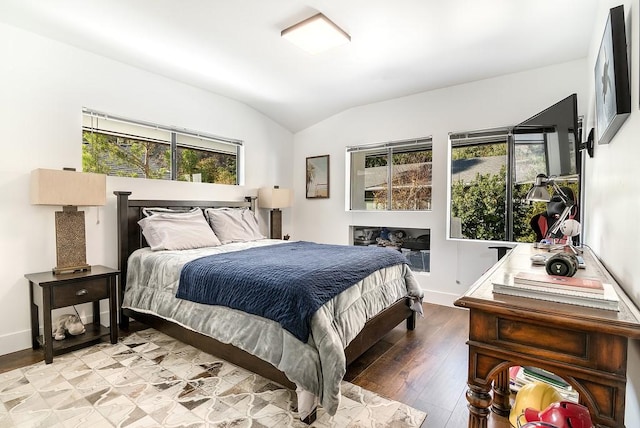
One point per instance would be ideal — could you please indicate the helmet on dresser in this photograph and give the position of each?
(534, 395)
(563, 414)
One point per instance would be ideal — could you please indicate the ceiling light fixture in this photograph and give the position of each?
(316, 34)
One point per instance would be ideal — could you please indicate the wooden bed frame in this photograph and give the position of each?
(130, 239)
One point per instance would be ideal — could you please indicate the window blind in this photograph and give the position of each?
(421, 142)
(96, 121)
(470, 138)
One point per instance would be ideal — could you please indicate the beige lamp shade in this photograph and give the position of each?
(60, 187)
(69, 189)
(274, 197)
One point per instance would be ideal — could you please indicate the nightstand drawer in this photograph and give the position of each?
(73, 294)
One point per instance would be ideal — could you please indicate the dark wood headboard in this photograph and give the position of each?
(130, 238)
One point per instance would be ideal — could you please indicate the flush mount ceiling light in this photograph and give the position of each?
(316, 34)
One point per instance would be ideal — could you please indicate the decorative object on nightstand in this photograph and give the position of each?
(274, 198)
(67, 323)
(48, 291)
(69, 189)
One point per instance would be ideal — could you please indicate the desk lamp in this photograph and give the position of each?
(539, 192)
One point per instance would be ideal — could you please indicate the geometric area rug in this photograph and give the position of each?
(149, 379)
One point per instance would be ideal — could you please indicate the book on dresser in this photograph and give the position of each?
(505, 284)
(587, 285)
(520, 376)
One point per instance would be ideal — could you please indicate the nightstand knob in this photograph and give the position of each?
(81, 292)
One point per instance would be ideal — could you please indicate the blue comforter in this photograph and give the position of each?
(286, 283)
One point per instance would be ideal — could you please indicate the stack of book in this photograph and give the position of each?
(563, 289)
(520, 376)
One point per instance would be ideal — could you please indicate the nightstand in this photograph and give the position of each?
(48, 291)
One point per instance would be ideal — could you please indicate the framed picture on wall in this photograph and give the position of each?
(318, 177)
(613, 97)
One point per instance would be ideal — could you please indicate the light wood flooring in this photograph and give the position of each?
(425, 368)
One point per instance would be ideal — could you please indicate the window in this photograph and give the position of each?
(206, 160)
(127, 148)
(391, 176)
(487, 202)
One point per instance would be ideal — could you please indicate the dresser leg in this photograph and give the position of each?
(501, 394)
(479, 402)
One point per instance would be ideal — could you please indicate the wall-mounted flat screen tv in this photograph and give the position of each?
(547, 143)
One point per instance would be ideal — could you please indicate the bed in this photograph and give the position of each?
(313, 368)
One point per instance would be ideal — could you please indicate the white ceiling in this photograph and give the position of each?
(233, 47)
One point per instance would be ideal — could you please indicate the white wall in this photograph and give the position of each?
(44, 85)
(490, 103)
(612, 175)
(613, 195)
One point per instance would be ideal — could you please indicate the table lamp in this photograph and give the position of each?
(69, 189)
(274, 198)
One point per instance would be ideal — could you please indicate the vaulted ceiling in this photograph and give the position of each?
(233, 47)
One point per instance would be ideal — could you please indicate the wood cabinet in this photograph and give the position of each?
(587, 347)
(48, 291)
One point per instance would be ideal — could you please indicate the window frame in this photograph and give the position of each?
(226, 146)
(492, 136)
(472, 138)
(387, 149)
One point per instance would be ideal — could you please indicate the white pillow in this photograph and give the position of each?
(234, 224)
(178, 231)
(159, 210)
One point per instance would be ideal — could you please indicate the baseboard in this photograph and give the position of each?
(440, 298)
(14, 342)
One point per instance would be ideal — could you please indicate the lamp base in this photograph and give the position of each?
(276, 224)
(70, 269)
(71, 253)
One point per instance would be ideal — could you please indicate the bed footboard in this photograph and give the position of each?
(380, 325)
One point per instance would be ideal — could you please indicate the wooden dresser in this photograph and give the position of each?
(587, 347)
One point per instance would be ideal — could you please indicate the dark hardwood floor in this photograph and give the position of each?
(425, 368)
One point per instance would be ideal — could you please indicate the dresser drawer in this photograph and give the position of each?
(79, 292)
